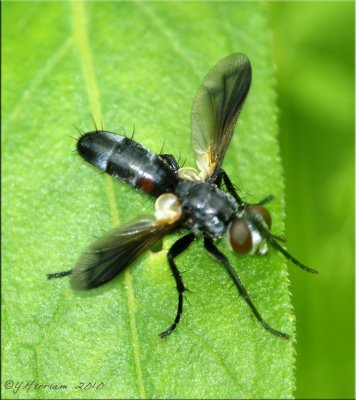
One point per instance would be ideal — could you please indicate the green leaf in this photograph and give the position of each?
(132, 65)
(317, 109)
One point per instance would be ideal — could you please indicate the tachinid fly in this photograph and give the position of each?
(186, 198)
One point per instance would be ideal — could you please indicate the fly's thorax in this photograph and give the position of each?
(246, 231)
(207, 210)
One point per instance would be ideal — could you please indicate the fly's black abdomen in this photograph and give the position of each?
(186, 197)
(128, 161)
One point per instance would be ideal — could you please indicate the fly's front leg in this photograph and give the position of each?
(266, 200)
(230, 187)
(223, 176)
(178, 247)
(215, 253)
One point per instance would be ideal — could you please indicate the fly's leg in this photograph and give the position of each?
(288, 256)
(59, 274)
(273, 241)
(219, 257)
(178, 247)
(266, 200)
(171, 161)
(223, 176)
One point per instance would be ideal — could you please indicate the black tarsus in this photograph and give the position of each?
(266, 200)
(220, 257)
(59, 274)
(178, 247)
(171, 162)
(288, 256)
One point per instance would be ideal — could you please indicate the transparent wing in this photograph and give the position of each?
(110, 254)
(216, 108)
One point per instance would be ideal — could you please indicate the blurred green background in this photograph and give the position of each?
(314, 52)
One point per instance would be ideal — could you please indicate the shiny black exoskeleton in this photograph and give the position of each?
(186, 198)
(127, 160)
(207, 210)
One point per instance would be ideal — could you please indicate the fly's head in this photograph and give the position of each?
(249, 232)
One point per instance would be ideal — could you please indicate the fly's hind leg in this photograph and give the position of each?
(178, 247)
(59, 274)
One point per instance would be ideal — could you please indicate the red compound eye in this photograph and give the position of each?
(240, 236)
(257, 209)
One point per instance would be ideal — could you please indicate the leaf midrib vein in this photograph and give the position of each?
(81, 37)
